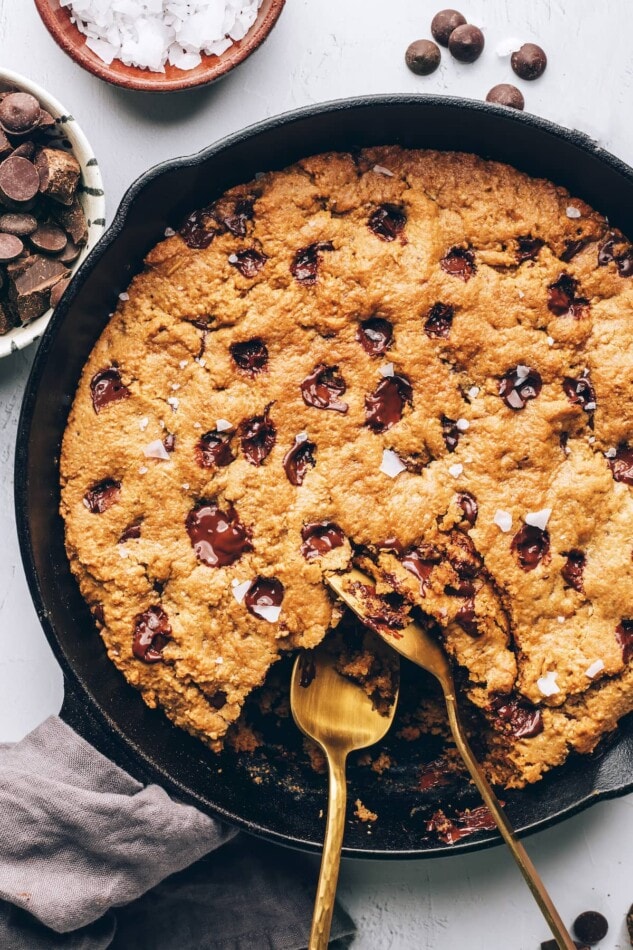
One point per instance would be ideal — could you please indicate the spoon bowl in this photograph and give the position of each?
(339, 715)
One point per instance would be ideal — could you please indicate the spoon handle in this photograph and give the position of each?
(517, 850)
(331, 860)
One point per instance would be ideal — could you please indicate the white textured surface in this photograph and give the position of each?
(326, 49)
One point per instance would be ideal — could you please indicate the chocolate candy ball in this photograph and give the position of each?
(443, 24)
(423, 57)
(529, 62)
(466, 43)
(506, 95)
(590, 927)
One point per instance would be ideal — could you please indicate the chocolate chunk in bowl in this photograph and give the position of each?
(34, 124)
(237, 771)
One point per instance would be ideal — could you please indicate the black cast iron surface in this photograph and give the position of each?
(284, 804)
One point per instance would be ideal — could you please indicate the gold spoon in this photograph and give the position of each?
(417, 645)
(339, 715)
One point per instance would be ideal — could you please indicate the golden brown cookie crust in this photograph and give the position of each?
(534, 632)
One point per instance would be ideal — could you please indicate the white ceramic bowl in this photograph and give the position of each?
(90, 193)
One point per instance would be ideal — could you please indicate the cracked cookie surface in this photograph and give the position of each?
(424, 355)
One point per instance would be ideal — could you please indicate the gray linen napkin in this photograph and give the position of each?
(91, 859)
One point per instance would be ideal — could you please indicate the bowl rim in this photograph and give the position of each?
(20, 337)
(96, 719)
(145, 81)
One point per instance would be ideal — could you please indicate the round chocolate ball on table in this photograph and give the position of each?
(529, 62)
(443, 24)
(423, 57)
(591, 926)
(506, 95)
(19, 113)
(466, 43)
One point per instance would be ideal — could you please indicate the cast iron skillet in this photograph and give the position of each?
(284, 806)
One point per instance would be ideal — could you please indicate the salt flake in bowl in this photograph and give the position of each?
(159, 45)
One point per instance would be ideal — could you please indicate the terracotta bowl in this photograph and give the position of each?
(57, 20)
(68, 135)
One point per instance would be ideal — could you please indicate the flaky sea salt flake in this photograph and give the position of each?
(222, 425)
(156, 450)
(503, 520)
(572, 212)
(267, 612)
(538, 519)
(596, 667)
(391, 464)
(463, 425)
(456, 470)
(547, 684)
(386, 370)
(381, 170)
(239, 590)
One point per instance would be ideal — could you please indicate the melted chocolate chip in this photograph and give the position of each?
(467, 618)
(213, 449)
(459, 262)
(531, 546)
(450, 433)
(387, 222)
(200, 228)
(573, 570)
(439, 320)
(226, 214)
(580, 392)
(102, 496)
(169, 442)
(624, 636)
(519, 385)
(152, 632)
(233, 214)
(219, 538)
(420, 562)
(383, 613)
(218, 700)
(131, 533)
(528, 248)
(305, 264)
(319, 538)
(433, 775)
(469, 506)
(257, 437)
(463, 556)
(465, 823)
(383, 407)
(307, 668)
(518, 717)
(562, 299)
(298, 459)
(391, 544)
(264, 592)
(622, 464)
(248, 262)
(106, 387)
(616, 248)
(375, 335)
(572, 248)
(323, 387)
(251, 356)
